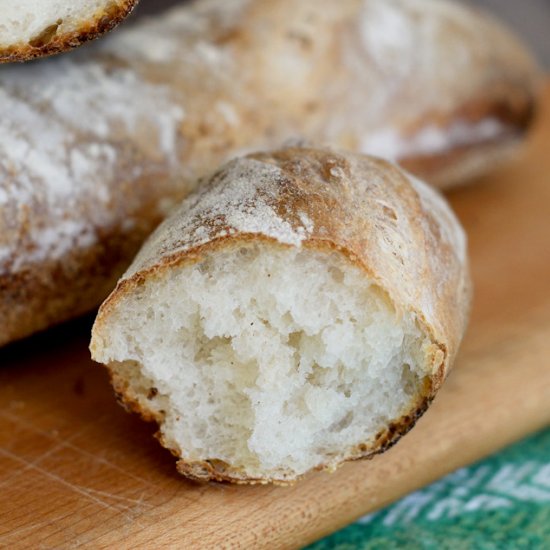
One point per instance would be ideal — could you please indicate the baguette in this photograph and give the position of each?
(300, 310)
(97, 146)
(35, 28)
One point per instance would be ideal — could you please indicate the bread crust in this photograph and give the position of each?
(464, 162)
(400, 233)
(51, 42)
(130, 128)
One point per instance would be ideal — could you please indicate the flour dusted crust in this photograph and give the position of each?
(398, 231)
(64, 26)
(97, 146)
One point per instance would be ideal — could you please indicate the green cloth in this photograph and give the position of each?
(500, 503)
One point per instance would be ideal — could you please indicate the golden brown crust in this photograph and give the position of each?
(398, 231)
(50, 41)
(35, 297)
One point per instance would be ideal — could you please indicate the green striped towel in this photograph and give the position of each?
(498, 504)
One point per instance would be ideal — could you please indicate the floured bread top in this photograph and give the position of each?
(114, 136)
(228, 205)
(66, 156)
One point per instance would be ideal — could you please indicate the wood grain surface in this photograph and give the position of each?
(75, 470)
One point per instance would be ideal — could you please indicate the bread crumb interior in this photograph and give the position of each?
(274, 360)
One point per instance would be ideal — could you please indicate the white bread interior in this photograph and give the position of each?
(274, 360)
(24, 21)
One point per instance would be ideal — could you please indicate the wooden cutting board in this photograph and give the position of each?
(76, 470)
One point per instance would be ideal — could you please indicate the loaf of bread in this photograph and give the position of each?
(300, 310)
(96, 146)
(34, 28)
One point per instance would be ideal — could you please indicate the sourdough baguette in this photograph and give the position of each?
(300, 310)
(95, 147)
(35, 28)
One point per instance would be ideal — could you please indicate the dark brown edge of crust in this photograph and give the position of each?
(516, 109)
(68, 41)
(517, 116)
(209, 471)
(450, 169)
